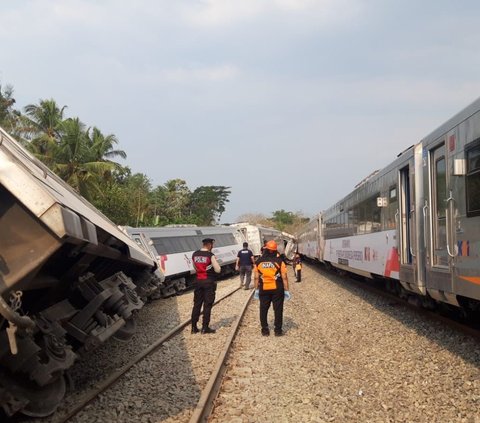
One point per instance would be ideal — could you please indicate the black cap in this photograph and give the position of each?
(208, 241)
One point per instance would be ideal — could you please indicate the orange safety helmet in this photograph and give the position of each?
(271, 245)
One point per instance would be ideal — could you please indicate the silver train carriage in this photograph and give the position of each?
(172, 247)
(415, 223)
(257, 235)
(69, 280)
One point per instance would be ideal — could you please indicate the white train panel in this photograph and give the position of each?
(374, 253)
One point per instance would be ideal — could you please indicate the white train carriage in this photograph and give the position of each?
(172, 248)
(310, 241)
(416, 223)
(256, 235)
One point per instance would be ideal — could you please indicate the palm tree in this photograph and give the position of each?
(45, 117)
(77, 162)
(41, 124)
(102, 146)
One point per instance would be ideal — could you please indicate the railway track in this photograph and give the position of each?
(205, 404)
(207, 396)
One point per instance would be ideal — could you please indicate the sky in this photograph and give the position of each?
(288, 102)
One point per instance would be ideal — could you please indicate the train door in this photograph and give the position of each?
(406, 226)
(440, 248)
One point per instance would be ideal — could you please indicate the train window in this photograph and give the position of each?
(473, 182)
(391, 209)
(175, 246)
(183, 241)
(393, 194)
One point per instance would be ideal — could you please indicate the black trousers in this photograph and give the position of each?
(298, 274)
(266, 298)
(204, 294)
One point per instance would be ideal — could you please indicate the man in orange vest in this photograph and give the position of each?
(271, 287)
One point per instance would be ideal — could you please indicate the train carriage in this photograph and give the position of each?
(310, 242)
(69, 280)
(415, 223)
(256, 235)
(172, 248)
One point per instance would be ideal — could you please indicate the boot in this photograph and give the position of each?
(208, 330)
(195, 329)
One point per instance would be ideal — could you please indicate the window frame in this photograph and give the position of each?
(475, 145)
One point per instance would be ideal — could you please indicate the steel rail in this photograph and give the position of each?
(103, 385)
(209, 394)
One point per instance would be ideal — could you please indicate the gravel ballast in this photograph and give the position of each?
(349, 356)
(154, 388)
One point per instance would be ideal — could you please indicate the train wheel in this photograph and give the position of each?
(126, 331)
(44, 401)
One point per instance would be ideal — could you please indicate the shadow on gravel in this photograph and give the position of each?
(447, 338)
(226, 322)
(289, 324)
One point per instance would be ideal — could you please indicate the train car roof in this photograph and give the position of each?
(461, 116)
(181, 231)
(41, 191)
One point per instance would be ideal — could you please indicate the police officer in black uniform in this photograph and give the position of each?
(207, 267)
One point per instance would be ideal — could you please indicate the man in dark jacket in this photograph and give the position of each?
(207, 267)
(244, 265)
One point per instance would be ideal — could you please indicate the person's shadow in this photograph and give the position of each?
(289, 324)
(225, 322)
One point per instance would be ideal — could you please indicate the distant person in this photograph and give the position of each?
(271, 286)
(262, 248)
(205, 285)
(297, 267)
(244, 264)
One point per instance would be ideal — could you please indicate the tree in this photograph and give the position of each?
(157, 205)
(8, 115)
(177, 196)
(282, 218)
(102, 146)
(42, 125)
(138, 188)
(76, 162)
(208, 203)
(288, 221)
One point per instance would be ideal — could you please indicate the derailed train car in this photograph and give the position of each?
(173, 247)
(416, 223)
(69, 280)
(257, 235)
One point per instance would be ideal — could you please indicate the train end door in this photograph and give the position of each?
(410, 224)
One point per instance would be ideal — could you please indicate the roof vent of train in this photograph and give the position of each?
(404, 151)
(367, 178)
